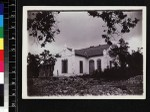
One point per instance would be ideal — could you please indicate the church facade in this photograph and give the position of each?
(82, 61)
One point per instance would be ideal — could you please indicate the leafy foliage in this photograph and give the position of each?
(42, 25)
(119, 53)
(122, 71)
(135, 62)
(33, 62)
(42, 64)
(47, 64)
(47, 58)
(117, 23)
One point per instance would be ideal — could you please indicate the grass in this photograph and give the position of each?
(84, 86)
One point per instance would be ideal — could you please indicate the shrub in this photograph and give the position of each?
(135, 62)
(113, 74)
(32, 66)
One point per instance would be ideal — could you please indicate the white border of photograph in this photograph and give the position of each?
(74, 8)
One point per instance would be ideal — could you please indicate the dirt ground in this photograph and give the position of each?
(84, 86)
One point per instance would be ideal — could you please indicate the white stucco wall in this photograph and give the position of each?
(65, 55)
(74, 63)
(77, 65)
(73, 66)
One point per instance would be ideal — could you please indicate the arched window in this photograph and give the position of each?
(99, 64)
(91, 66)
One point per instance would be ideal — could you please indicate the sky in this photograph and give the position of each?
(79, 30)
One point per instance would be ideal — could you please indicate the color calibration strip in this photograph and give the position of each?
(1, 45)
(1, 57)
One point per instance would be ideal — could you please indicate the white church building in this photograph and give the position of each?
(82, 61)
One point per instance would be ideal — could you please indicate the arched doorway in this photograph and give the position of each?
(91, 66)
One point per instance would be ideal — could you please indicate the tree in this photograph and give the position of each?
(117, 23)
(47, 58)
(47, 63)
(135, 62)
(119, 53)
(42, 64)
(33, 62)
(42, 25)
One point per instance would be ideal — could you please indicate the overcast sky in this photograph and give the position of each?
(79, 30)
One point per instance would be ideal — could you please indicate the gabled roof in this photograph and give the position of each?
(91, 51)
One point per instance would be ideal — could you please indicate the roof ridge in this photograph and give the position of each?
(94, 51)
(92, 47)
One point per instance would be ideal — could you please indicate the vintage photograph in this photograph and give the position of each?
(84, 52)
